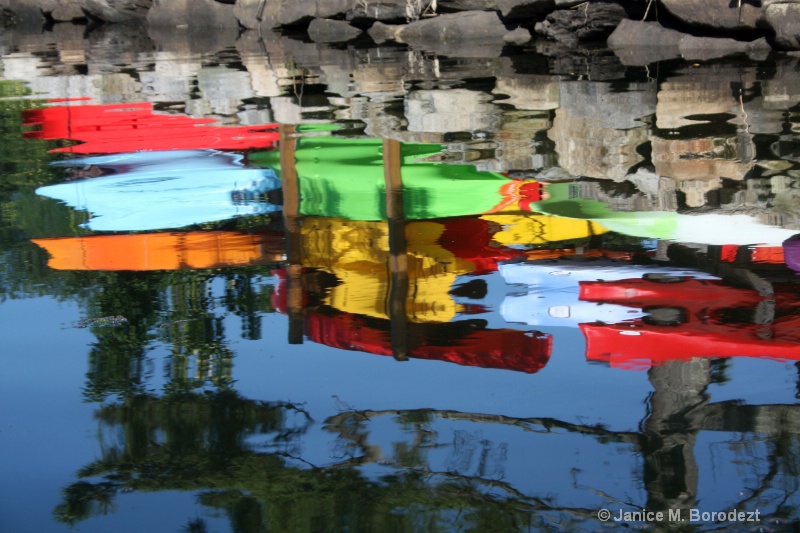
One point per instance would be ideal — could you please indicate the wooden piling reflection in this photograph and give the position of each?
(292, 224)
(398, 256)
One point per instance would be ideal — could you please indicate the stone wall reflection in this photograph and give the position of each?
(712, 135)
(598, 129)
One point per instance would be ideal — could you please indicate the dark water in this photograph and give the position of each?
(266, 285)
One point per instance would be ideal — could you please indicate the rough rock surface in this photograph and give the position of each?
(331, 31)
(642, 43)
(387, 11)
(518, 36)
(66, 12)
(564, 21)
(467, 5)
(524, 9)
(249, 13)
(586, 22)
(720, 15)
(473, 26)
(381, 32)
(35, 12)
(7, 17)
(197, 13)
(116, 11)
(704, 48)
(278, 13)
(784, 19)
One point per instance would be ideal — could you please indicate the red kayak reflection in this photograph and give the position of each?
(688, 318)
(115, 128)
(464, 342)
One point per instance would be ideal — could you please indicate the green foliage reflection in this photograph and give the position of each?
(24, 166)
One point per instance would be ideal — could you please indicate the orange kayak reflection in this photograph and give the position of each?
(163, 251)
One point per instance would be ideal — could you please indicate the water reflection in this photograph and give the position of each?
(163, 251)
(556, 290)
(342, 177)
(187, 441)
(251, 237)
(117, 128)
(161, 190)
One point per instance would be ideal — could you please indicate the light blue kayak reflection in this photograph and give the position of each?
(160, 190)
(550, 291)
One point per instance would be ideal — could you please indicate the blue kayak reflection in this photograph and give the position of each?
(552, 290)
(158, 190)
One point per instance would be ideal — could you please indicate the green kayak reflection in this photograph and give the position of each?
(341, 177)
(344, 178)
(158, 190)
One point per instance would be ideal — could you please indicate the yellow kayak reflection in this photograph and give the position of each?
(357, 253)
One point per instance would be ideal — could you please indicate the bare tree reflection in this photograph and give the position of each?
(679, 409)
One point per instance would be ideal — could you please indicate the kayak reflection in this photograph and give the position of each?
(634, 316)
(346, 178)
(161, 190)
(163, 251)
(115, 128)
(350, 299)
(553, 296)
(576, 200)
(373, 265)
(684, 318)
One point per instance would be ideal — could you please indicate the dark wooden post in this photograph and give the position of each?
(398, 256)
(292, 224)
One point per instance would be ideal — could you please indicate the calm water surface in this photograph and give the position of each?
(258, 284)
